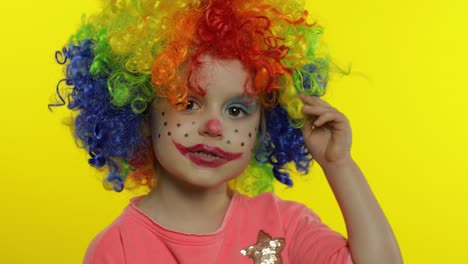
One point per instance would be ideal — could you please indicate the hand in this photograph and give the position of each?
(326, 131)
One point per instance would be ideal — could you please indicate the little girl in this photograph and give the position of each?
(204, 102)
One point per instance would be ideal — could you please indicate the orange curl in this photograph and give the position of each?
(142, 170)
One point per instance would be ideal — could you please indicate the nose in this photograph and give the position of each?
(212, 127)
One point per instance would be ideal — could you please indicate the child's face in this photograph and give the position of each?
(212, 140)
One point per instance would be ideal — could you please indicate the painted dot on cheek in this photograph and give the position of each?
(186, 135)
(169, 133)
(162, 113)
(250, 135)
(236, 130)
(242, 144)
(165, 123)
(229, 141)
(178, 125)
(159, 135)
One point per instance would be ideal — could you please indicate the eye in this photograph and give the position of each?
(236, 111)
(192, 105)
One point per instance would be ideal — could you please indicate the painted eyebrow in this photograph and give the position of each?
(245, 101)
(249, 102)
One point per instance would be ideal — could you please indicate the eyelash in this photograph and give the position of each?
(193, 103)
(242, 111)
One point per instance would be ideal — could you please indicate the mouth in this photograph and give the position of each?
(205, 155)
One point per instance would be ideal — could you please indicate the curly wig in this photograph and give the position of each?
(131, 52)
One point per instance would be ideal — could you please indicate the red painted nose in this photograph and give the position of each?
(214, 127)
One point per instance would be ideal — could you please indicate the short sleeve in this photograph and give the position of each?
(311, 241)
(106, 248)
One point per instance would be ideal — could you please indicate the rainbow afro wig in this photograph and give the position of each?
(123, 57)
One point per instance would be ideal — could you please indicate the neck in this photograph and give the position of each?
(190, 200)
(171, 203)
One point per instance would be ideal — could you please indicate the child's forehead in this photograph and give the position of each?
(239, 97)
(209, 68)
(214, 77)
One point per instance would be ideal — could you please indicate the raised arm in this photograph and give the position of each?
(328, 138)
(370, 236)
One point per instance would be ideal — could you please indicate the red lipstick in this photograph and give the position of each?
(207, 156)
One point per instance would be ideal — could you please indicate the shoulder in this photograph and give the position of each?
(268, 207)
(107, 246)
(307, 237)
(270, 201)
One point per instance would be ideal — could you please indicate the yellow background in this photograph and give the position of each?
(407, 104)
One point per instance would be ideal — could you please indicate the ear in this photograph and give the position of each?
(261, 131)
(146, 128)
(150, 117)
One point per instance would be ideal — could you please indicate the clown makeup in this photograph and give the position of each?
(211, 140)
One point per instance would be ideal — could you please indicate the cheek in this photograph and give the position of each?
(241, 138)
(238, 136)
(171, 126)
(168, 127)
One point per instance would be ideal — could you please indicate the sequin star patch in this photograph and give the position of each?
(267, 250)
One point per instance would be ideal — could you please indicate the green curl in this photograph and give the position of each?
(128, 88)
(102, 63)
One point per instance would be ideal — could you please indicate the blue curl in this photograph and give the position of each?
(111, 135)
(57, 92)
(59, 54)
(283, 144)
(117, 182)
(311, 68)
(314, 77)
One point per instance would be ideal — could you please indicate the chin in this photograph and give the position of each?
(208, 177)
(199, 177)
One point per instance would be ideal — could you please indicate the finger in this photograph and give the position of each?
(313, 100)
(314, 109)
(330, 116)
(313, 112)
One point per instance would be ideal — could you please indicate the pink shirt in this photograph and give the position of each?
(261, 229)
